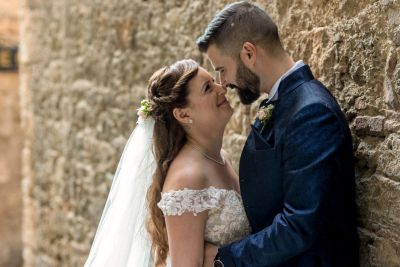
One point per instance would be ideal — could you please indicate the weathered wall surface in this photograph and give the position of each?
(9, 22)
(10, 144)
(85, 66)
(353, 47)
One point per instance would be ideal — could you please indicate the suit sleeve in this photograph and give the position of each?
(309, 147)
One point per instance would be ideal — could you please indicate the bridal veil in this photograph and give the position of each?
(121, 239)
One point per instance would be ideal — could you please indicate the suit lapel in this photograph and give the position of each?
(259, 140)
(262, 134)
(264, 138)
(293, 81)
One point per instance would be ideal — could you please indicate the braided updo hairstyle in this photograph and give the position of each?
(167, 89)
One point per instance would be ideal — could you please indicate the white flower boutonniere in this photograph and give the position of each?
(145, 109)
(265, 114)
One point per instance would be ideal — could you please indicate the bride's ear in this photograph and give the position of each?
(181, 115)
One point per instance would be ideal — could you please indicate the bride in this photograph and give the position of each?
(174, 189)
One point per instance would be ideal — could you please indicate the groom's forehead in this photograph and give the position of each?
(216, 57)
(213, 52)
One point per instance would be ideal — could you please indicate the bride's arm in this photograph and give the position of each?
(186, 239)
(185, 229)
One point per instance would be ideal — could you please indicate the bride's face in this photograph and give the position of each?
(208, 106)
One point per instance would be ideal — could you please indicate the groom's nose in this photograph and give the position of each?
(222, 80)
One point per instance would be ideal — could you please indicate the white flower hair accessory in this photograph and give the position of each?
(145, 109)
(265, 114)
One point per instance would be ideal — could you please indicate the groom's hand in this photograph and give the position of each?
(210, 251)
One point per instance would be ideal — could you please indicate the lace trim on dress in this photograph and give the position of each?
(190, 200)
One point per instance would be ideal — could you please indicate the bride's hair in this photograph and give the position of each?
(167, 89)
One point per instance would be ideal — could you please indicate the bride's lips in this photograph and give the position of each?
(222, 102)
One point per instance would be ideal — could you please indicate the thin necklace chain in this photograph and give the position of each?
(207, 156)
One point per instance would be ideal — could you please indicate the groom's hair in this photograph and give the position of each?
(237, 23)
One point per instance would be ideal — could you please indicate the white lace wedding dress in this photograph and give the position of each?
(227, 221)
(121, 238)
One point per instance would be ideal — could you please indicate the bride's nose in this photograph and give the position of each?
(221, 90)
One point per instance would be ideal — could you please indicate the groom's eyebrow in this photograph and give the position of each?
(218, 69)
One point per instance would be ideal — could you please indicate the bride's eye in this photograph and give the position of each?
(207, 87)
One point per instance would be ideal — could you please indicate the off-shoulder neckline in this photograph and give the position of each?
(203, 189)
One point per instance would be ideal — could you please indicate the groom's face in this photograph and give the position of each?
(247, 84)
(234, 74)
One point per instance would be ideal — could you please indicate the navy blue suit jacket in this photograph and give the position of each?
(297, 183)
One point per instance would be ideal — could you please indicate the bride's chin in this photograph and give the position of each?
(228, 117)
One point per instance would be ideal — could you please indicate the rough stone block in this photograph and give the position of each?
(392, 126)
(389, 95)
(379, 216)
(396, 36)
(369, 125)
(389, 157)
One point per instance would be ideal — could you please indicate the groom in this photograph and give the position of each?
(296, 169)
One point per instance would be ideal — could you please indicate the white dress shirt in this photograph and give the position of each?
(273, 95)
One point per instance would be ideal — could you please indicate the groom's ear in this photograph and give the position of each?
(181, 115)
(248, 54)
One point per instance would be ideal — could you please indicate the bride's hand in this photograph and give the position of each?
(210, 251)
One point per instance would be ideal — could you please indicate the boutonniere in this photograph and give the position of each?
(265, 114)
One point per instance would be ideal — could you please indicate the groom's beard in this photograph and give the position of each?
(248, 84)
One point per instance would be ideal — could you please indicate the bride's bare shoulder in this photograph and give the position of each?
(185, 171)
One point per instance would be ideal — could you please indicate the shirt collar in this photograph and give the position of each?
(273, 96)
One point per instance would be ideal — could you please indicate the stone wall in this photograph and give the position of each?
(10, 143)
(353, 47)
(9, 22)
(84, 68)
